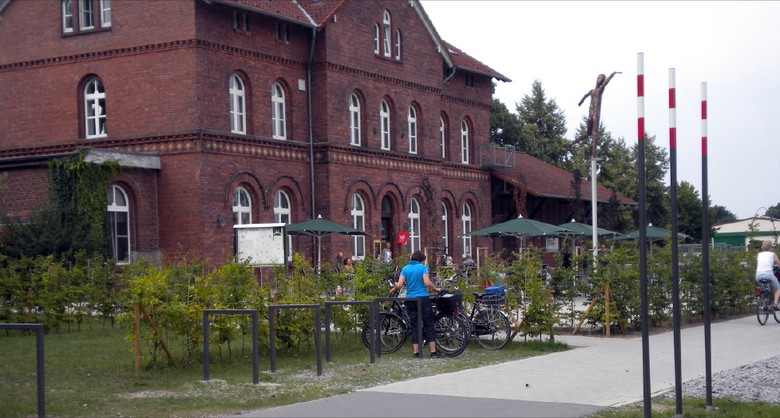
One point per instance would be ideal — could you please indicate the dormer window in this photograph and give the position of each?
(79, 16)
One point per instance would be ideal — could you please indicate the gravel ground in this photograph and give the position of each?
(750, 383)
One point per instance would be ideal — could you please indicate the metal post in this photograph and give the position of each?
(272, 337)
(205, 346)
(675, 255)
(643, 237)
(705, 249)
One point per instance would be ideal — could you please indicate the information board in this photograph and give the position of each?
(261, 244)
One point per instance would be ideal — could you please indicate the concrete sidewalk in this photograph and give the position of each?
(599, 373)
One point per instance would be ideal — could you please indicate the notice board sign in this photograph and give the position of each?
(261, 244)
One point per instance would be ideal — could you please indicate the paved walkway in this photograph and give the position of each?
(599, 373)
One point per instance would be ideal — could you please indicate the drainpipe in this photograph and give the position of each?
(450, 76)
(311, 131)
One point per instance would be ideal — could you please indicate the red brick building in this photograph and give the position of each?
(228, 112)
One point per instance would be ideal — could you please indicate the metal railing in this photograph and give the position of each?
(272, 332)
(38, 328)
(255, 342)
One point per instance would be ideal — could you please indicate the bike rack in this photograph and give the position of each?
(38, 328)
(272, 332)
(371, 320)
(375, 326)
(255, 343)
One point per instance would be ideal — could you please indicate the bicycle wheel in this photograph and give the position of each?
(763, 307)
(392, 332)
(491, 328)
(452, 334)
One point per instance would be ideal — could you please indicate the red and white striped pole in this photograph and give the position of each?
(640, 89)
(705, 250)
(675, 228)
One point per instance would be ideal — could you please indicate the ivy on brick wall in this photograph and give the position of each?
(75, 218)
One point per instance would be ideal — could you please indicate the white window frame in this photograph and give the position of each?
(354, 120)
(398, 44)
(464, 142)
(388, 33)
(118, 212)
(466, 228)
(358, 213)
(67, 16)
(412, 119)
(384, 118)
(414, 225)
(283, 215)
(237, 105)
(105, 13)
(94, 109)
(445, 235)
(376, 38)
(242, 206)
(86, 15)
(442, 137)
(278, 112)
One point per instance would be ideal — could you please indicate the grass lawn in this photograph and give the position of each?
(92, 373)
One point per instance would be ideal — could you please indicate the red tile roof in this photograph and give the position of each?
(466, 62)
(545, 180)
(317, 13)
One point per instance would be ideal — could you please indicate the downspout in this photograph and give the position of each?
(311, 130)
(450, 76)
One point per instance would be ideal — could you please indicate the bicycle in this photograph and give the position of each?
(764, 301)
(490, 326)
(452, 329)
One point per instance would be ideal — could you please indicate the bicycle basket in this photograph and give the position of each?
(449, 303)
(494, 299)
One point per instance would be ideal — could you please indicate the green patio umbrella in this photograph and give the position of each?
(581, 229)
(521, 227)
(319, 228)
(654, 233)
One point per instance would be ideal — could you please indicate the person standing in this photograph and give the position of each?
(387, 254)
(418, 282)
(339, 261)
(766, 261)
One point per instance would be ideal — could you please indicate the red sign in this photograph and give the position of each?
(403, 236)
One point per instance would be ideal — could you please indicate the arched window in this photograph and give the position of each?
(376, 38)
(464, 142)
(384, 117)
(95, 109)
(388, 41)
(277, 112)
(242, 207)
(354, 120)
(445, 235)
(414, 225)
(412, 119)
(237, 105)
(466, 222)
(283, 215)
(442, 137)
(397, 44)
(119, 224)
(358, 212)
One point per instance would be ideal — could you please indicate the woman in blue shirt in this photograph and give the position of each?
(415, 275)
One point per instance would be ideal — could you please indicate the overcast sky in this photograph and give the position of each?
(732, 46)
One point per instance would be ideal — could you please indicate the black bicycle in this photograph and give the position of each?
(764, 301)
(490, 326)
(452, 328)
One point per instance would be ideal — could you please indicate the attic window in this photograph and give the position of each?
(469, 80)
(82, 16)
(282, 31)
(240, 21)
